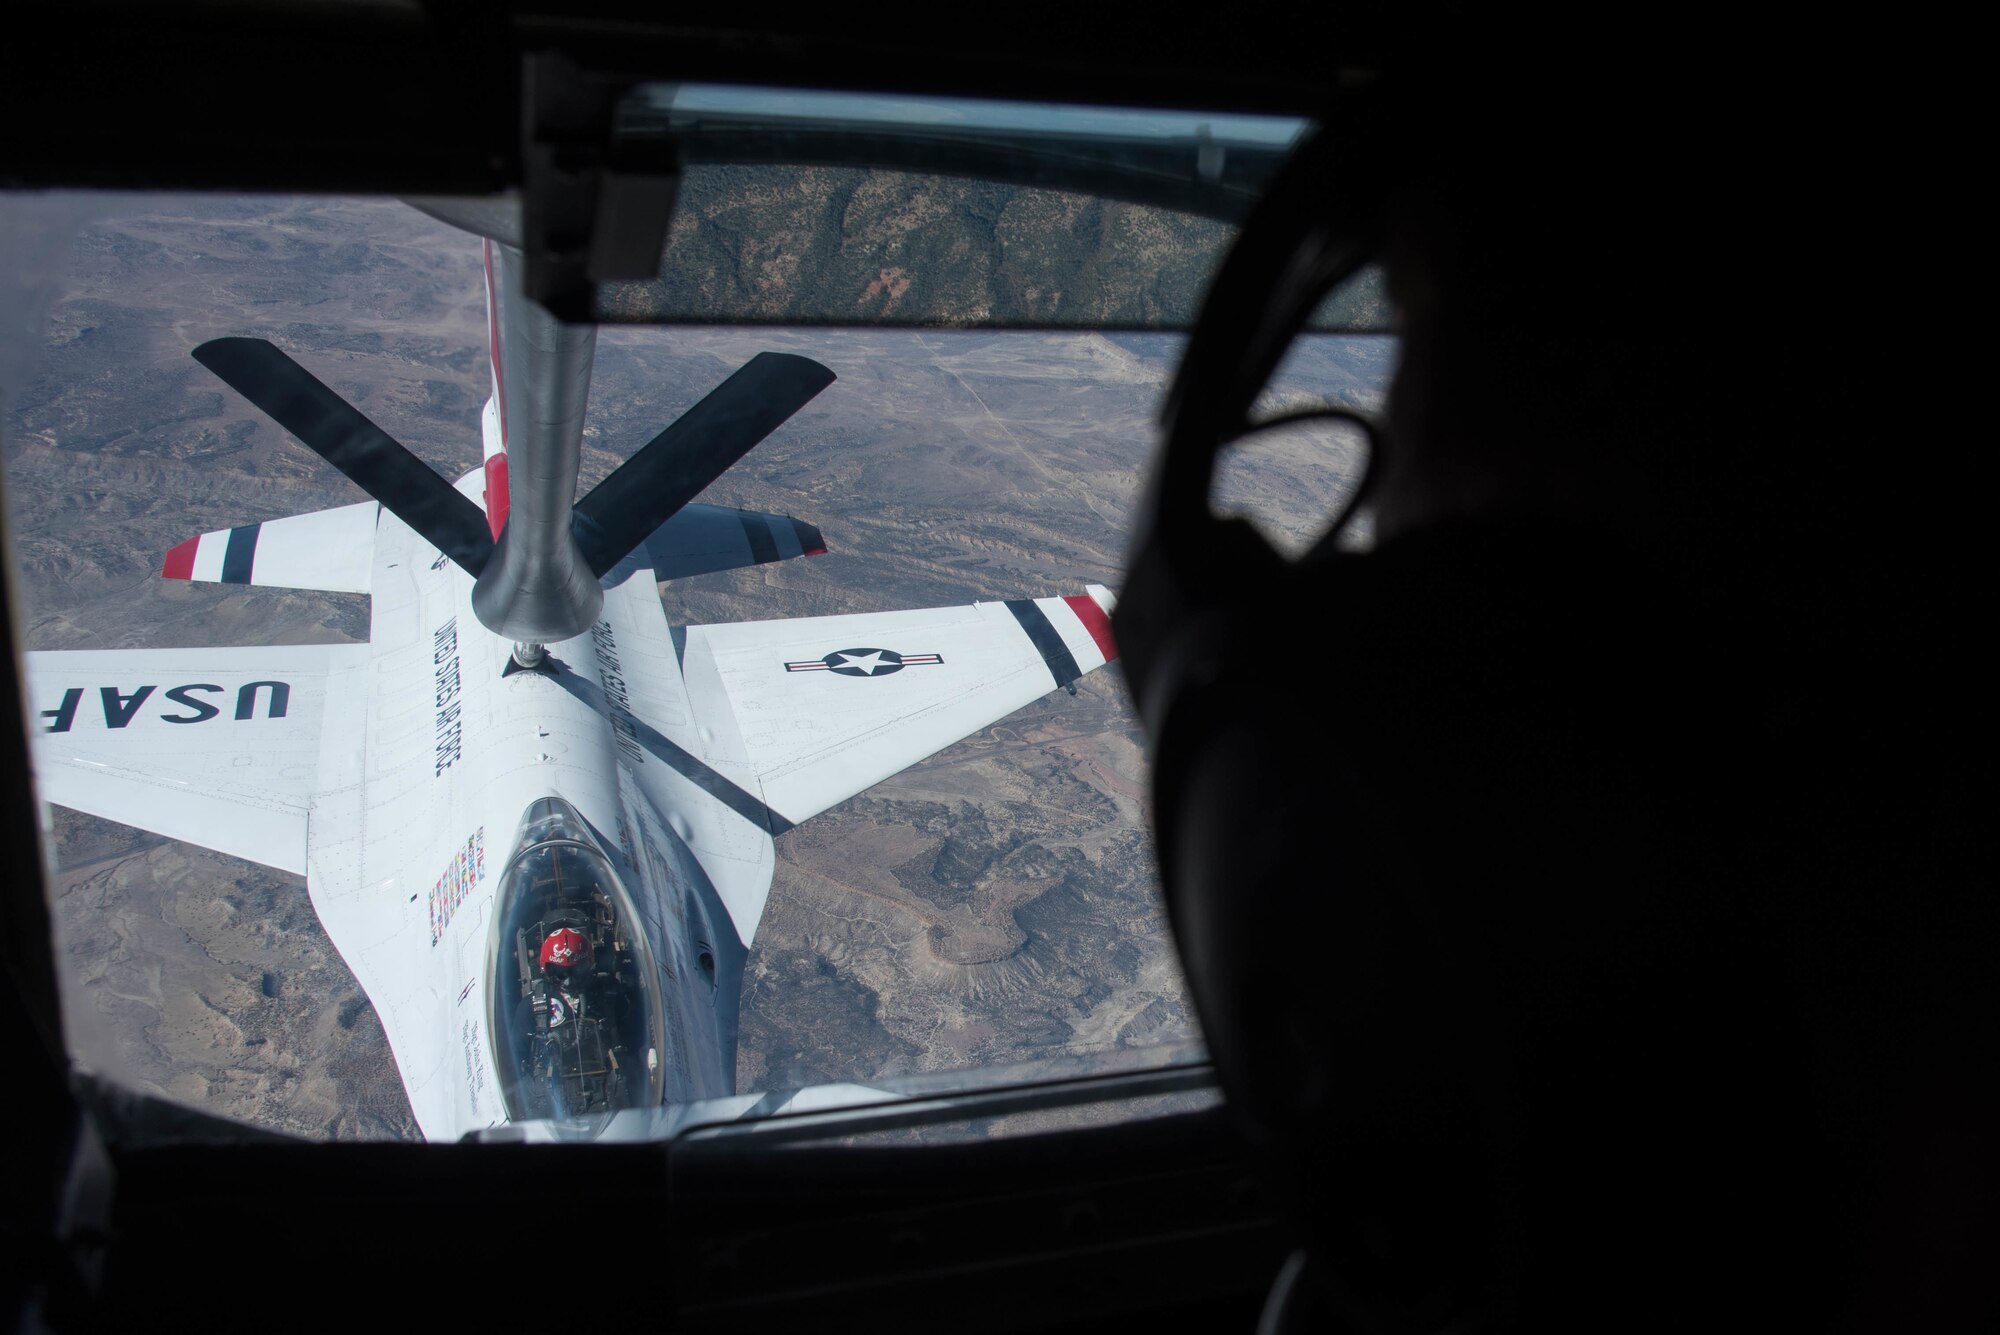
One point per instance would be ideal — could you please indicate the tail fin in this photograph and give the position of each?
(493, 422)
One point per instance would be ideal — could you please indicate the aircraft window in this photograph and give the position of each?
(982, 915)
(863, 209)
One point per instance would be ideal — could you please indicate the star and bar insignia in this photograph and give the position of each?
(864, 662)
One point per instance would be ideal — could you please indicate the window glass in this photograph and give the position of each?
(995, 905)
(845, 208)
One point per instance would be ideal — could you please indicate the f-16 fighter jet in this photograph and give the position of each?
(534, 818)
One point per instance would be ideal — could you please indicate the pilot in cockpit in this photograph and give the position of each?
(567, 962)
(565, 956)
(577, 1006)
(580, 1049)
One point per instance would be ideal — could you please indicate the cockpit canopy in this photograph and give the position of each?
(578, 1024)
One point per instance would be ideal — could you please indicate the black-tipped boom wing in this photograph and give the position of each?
(651, 487)
(623, 511)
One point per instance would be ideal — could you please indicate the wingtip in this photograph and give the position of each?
(179, 563)
(206, 353)
(814, 369)
(1093, 610)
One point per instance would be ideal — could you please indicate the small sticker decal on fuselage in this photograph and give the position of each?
(467, 866)
(864, 662)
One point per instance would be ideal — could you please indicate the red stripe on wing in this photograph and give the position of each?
(1093, 619)
(180, 561)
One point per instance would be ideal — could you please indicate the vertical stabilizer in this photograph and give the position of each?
(493, 421)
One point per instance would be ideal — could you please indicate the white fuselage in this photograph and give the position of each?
(441, 756)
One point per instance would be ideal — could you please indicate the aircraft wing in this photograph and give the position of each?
(821, 708)
(217, 747)
(331, 550)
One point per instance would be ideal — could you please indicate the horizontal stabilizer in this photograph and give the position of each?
(329, 550)
(217, 747)
(702, 539)
(822, 708)
(337, 431)
(675, 466)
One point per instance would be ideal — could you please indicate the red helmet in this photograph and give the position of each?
(565, 948)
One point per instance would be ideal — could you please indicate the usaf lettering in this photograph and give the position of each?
(120, 708)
